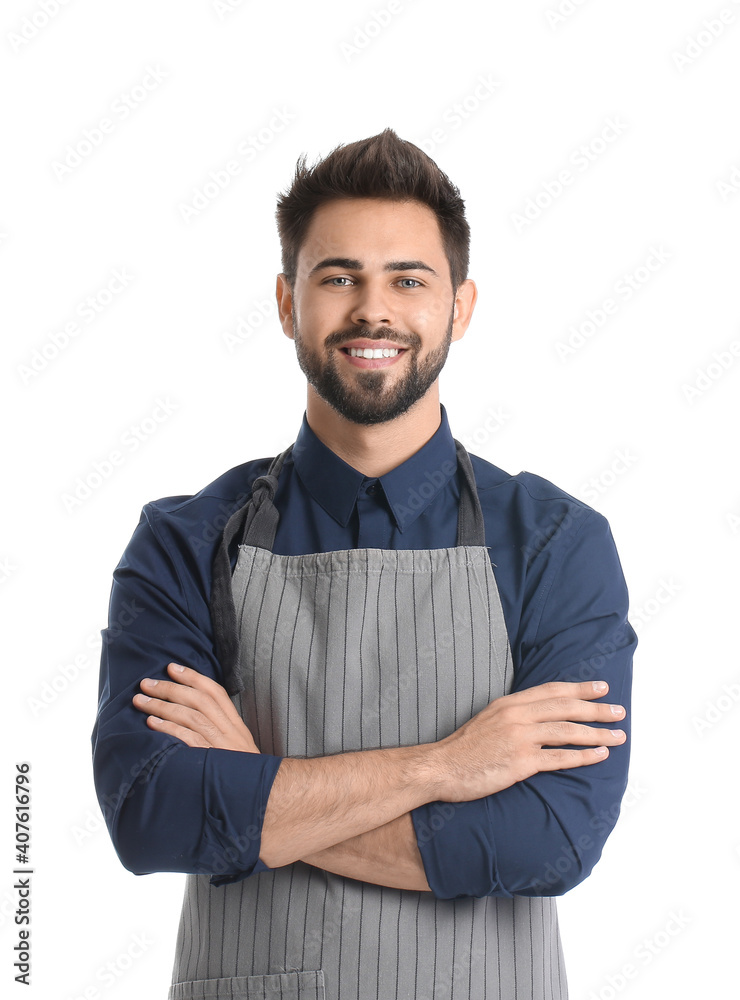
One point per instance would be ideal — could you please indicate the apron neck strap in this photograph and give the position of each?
(221, 603)
(471, 529)
(262, 516)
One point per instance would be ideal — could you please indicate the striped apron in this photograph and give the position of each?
(349, 650)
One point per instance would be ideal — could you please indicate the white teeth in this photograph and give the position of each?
(369, 352)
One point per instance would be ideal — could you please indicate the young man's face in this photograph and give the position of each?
(372, 274)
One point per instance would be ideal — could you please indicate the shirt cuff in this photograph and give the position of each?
(260, 866)
(457, 849)
(234, 810)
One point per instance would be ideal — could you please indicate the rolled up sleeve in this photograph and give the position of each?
(543, 835)
(169, 806)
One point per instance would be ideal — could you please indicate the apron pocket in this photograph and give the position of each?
(281, 986)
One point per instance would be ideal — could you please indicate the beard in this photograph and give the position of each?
(372, 396)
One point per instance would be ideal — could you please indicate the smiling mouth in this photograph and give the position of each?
(373, 357)
(373, 352)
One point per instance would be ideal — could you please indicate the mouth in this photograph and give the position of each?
(382, 356)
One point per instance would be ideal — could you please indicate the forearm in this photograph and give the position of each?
(387, 856)
(317, 803)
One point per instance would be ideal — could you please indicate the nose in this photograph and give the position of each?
(372, 306)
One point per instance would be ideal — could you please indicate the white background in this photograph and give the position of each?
(614, 421)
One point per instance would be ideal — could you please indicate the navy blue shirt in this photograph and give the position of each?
(171, 807)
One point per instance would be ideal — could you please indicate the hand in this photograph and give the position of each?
(505, 742)
(194, 708)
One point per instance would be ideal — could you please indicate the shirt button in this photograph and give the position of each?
(372, 490)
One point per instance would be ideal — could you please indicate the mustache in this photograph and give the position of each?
(342, 337)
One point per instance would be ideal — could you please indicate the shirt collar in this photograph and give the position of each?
(409, 488)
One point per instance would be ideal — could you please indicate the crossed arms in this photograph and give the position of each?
(351, 813)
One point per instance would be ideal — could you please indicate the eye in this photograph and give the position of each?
(416, 284)
(341, 277)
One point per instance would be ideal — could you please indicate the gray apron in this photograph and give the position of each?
(354, 650)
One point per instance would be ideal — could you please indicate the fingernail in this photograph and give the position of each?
(599, 686)
(176, 667)
(617, 709)
(143, 697)
(149, 680)
(600, 751)
(617, 734)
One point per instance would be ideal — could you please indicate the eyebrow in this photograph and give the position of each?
(350, 264)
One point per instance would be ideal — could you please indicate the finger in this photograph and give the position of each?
(555, 733)
(180, 720)
(202, 694)
(202, 682)
(557, 760)
(585, 690)
(573, 710)
(180, 715)
(180, 732)
(182, 694)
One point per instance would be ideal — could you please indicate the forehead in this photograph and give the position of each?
(372, 230)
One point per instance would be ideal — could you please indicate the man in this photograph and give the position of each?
(362, 698)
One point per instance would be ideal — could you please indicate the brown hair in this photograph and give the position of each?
(383, 166)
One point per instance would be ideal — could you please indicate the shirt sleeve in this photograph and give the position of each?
(543, 835)
(169, 806)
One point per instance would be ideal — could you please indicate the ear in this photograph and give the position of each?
(465, 299)
(284, 297)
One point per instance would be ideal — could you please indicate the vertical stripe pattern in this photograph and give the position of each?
(354, 650)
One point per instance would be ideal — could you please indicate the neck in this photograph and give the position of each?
(375, 449)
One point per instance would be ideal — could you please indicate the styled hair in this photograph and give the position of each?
(383, 166)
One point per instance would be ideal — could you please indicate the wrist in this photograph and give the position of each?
(430, 770)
